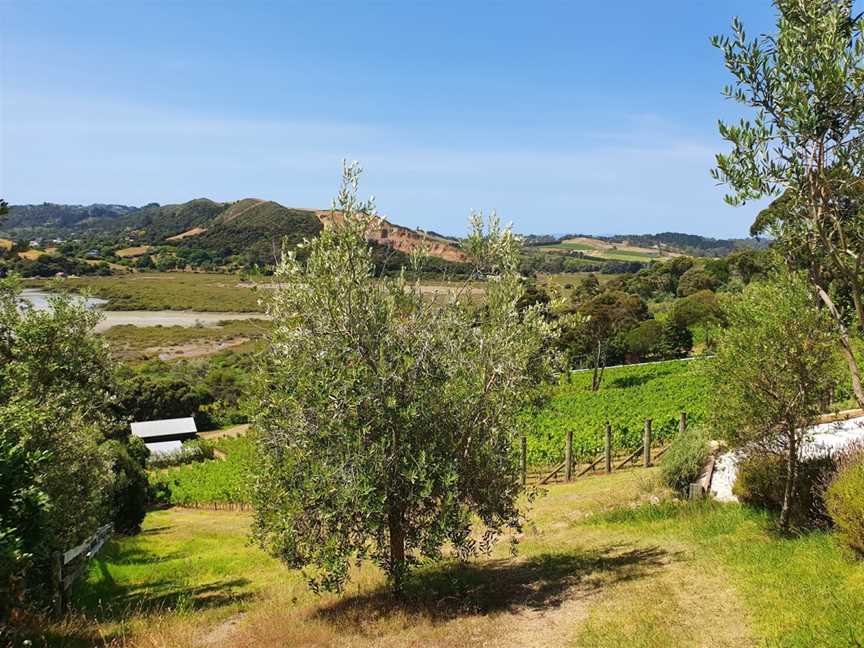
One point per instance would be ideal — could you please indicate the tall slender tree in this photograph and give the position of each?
(805, 140)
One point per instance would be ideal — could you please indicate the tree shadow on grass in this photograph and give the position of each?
(106, 599)
(154, 530)
(112, 602)
(630, 381)
(123, 554)
(462, 589)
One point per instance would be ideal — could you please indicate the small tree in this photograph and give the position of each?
(774, 369)
(388, 421)
(601, 319)
(805, 141)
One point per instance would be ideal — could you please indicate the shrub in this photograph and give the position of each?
(685, 458)
(844, 499)
(130, 488)
(761, 481)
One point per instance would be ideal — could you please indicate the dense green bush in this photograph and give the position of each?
(761, 479)
(24, 520)
(844, 499)
(130, 488)
(685, 458)
(65, 466)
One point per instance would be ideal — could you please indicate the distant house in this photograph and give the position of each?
(165, 436)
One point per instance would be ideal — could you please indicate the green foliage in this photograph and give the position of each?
(685, 458)
(695, 279)
(24, 520)
(629, 396)
(130, 488)
(57, 407)
(211, 390)
(388, 425)
(702, 308)
(761, 483)
(216, 481)
(844, 499)
(775, 367)
(64, 465)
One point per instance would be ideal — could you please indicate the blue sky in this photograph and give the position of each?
(594, 117)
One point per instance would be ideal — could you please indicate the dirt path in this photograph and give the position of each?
(220, 634)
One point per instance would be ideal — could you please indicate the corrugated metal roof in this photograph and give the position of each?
(164, 447)
(165, 427)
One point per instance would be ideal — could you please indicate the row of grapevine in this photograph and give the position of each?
(628, 396)
(207, 482)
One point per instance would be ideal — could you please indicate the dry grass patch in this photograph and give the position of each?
(601, 565)
(134, 251)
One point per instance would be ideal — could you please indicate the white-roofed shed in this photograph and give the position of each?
(156, 434)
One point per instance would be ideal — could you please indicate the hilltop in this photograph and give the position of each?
(200, 233)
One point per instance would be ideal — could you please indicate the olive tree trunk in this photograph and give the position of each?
(397, 548)
(791, 485)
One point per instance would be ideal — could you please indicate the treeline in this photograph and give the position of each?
(535, 263)
(690, 244)
(653, 314)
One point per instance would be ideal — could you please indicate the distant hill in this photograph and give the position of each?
(693, 244)
(202, 231)
(642, 247)
(56, 216)
(253, 228)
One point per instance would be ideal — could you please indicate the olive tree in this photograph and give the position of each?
(387, 420)
(774, 369)
(805, 141)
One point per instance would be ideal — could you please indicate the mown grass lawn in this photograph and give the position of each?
(606, 561)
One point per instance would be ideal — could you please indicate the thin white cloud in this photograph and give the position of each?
(644, 176)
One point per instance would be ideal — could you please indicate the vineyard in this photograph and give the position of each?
(212, 482)
(627, 397)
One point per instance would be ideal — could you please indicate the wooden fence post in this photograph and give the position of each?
(524, 460)
(646, 444)
(57, 577)
(568, 457)
(682, 423)
(608, 448)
